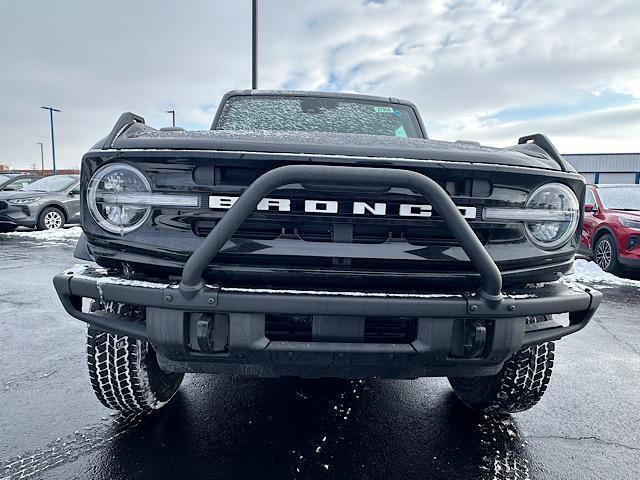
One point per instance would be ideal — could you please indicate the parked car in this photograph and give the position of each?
(611, 227)
(324, 235)
(46, 204)
(16, 181)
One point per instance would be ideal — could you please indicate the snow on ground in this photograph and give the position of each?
(590, 273)
(62, 236)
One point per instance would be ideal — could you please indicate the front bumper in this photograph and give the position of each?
(630, 262)
(456, 334)
(17, 216)
(250, 352)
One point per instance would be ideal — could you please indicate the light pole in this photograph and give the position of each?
(254, 45)
(41, 154)
(173, 117)
(53, 142)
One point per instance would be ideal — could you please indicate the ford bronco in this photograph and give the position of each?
(324, 235)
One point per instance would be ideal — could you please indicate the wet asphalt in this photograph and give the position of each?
(586, 427)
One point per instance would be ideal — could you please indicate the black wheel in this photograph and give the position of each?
(518, 386)
(605, 254)
(51, 218)
(125, 374)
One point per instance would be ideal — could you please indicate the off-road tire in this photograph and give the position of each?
(125, 374)
(51, 218)
(518, 386)
(606, 243)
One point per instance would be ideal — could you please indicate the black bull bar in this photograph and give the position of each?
(193, 295)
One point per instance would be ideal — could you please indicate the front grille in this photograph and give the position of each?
(370, 233)
(299, 328)
(3, 205)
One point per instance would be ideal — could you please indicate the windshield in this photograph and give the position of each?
(55, 183)
(4, 178)
(318, 114)
(623, 197)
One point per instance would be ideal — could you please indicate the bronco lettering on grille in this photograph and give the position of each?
(332, 207)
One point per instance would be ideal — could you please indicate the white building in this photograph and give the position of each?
(607, 167)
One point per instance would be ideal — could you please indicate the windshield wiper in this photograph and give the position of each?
(627, 209)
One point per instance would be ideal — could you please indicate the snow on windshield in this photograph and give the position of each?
(54, 183)
(625, 197)
(318, 114)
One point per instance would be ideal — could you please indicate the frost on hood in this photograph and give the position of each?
(140, 130)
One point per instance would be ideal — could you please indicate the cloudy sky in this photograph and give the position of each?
(487, 70)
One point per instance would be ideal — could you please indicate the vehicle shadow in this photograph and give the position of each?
(219, 427)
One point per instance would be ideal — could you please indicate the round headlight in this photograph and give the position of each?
(555, 214)
(109, 197)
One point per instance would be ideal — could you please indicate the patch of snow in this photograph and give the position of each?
(100, 281)
(590, 273)
(66, 235)
(337, 293)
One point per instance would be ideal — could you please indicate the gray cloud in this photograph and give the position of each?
(460, 62)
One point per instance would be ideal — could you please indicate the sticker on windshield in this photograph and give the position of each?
(383, 109)
(401, 132)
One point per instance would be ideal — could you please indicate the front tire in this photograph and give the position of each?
(518, 386)
(51, 218)
(125, 374)
(605, 254)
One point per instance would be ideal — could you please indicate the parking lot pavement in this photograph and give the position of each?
(586, 427)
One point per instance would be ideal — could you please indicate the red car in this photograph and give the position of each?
(611, 231)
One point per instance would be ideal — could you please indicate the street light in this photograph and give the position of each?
(254, 45)
(41, 154)
(173, 116)
(53, 143)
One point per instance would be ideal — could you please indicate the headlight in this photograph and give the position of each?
(560, 213)
(23, 201)
(108, 198)
(629, 222)
(550, 216)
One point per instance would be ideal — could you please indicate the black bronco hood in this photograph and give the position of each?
(141, 136)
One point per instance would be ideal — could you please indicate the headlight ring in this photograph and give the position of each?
(560, 202)
(111, 213)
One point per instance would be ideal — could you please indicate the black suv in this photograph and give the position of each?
(315, 235)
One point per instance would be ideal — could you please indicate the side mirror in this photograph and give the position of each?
(590, 208)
